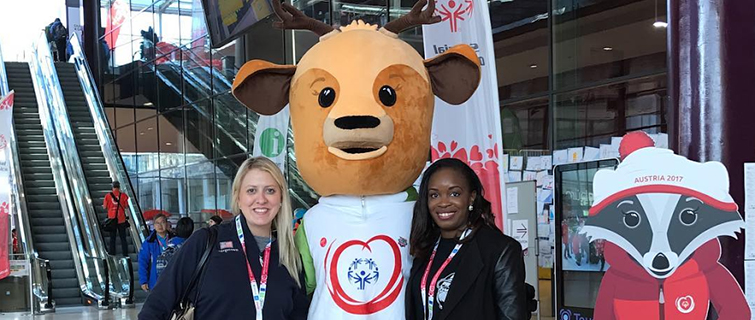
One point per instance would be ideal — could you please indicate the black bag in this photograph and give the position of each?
(111, 224)
(185, 308)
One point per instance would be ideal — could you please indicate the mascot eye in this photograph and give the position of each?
(631, 219)
(327, 97)
(688, 217)
(387, 96)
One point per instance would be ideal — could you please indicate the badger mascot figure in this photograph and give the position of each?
(661, 215)
(361, 103)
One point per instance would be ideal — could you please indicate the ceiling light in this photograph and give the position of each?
(150, 128)
(168, 144)
(660, 24)
(607, 49)
(148, 104)
(533, 66)
(141, 133)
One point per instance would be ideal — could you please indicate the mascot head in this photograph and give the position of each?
(660, 207)
(361, 100)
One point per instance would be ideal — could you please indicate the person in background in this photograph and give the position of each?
(115, 203)
(214, 220)
(16, 248)
(184, 229)
(486, 280)
(152, 247)
(249, 256)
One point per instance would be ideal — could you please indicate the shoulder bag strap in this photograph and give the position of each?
(200, 267)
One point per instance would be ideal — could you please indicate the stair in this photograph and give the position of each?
(93, 163)
(45, 212)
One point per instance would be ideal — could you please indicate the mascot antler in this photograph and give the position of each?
(416, 17)
(292, 18)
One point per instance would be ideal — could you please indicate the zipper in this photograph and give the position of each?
(364, 208)
(661, 305)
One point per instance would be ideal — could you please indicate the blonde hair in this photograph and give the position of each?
(283, 222)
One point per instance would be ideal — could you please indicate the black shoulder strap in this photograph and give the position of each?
(200, 266)
(118, 205)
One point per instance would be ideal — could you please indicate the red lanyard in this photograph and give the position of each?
(428, 298)
(258, 293)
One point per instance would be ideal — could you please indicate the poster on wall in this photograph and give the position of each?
(478, 145)
(270, 137)
(6, 122)
(660, 216)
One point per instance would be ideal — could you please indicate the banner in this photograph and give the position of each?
(470, 132)
(118, 12)
(6, 120)
(270, 137)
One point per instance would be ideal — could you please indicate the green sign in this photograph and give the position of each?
(272, 142)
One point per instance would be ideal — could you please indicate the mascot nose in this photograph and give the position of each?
(357, 122)
(660, 262)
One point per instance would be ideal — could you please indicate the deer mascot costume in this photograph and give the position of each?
(361, 103)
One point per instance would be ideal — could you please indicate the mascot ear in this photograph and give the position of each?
(263, 86)
(454, 74)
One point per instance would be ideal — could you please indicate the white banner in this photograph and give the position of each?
(6, 120)
(470, 132)
(270, 137)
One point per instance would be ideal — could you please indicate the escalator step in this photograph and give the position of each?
(65, 283)
(45, 234)
(47, 221)
(43, 205)
(35, 157)
(44, 247)
(61, 301)
(57, 255)
(65, 294)
(38, 184)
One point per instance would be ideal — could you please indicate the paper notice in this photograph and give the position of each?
(512, 200)
(514, 176)
(533, 163)
(591, 153)
(540, 177)
(575, 155)
(520, 232)
(516, 163)
(546, 163)
(529, 175)
(616, 141)
(750, 285)
(505, 162)
(560, 157)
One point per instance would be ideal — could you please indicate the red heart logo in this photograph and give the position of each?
(382, 300)
(475, 154)
(685, 304)
(454, 145)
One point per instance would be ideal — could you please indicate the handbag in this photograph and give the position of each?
(185, 308)
(110, 224)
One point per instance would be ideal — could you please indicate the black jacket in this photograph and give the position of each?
(224, 291)
(488, 282)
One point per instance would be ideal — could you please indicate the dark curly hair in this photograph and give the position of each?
(424, 230)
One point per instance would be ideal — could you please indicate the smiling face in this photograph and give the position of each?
(374, 123)
(449, 197)
(259, 200)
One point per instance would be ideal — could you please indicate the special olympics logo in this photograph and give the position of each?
(453, 12)
(564, 314)
(4, 209)
(361, 272)
(685, 304)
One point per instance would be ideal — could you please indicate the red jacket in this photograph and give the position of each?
(111, 205)
(628, 292)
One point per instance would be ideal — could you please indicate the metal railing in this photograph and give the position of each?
(90, 258)
(115, 165)
(40, 295)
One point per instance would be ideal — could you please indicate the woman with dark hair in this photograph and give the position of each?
(464, 267)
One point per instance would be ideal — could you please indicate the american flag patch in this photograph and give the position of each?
(226, 245)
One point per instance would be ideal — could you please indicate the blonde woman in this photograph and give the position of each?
(253, 269)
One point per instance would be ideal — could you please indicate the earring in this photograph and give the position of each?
(471, 207)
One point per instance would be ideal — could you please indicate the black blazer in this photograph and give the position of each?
(489, 281)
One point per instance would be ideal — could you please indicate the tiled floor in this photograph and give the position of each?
(78, 313)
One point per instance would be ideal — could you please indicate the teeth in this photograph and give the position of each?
(260, 210)
(445, 214)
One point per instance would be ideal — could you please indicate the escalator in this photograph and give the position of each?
(45, 213)
(94, 165)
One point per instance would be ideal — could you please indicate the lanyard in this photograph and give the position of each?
(257, 293)
(428, 299)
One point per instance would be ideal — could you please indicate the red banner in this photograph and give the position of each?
(118, 11)
(6, 118)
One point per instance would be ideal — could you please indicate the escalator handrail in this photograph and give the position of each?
(18, 205)
(114, 161)
(48, 91)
